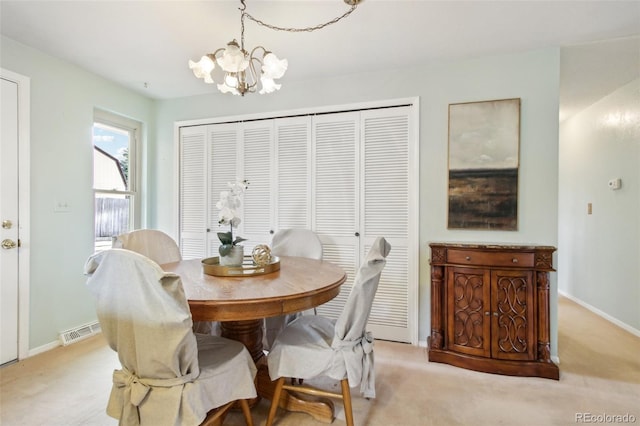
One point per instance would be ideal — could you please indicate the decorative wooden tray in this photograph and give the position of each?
(211, 266)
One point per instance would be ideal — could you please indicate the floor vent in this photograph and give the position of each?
(76, 334)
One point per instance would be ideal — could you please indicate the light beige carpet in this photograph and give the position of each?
(599, 376)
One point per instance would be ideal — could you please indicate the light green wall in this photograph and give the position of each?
(63, 98)
(531, 76)
(601, 252)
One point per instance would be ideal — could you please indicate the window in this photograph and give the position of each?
(115, 180)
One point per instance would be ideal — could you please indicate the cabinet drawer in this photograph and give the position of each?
(488, 258)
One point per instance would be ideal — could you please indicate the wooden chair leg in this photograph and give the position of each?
(346, 399)
(216, 416)
(244, 405)
(274, 402)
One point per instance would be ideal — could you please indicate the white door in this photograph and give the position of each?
(292, 183)
(193, 200)
(208, 162)
(9, 222)
(335, 190)
(255, 158)
(222, 167)
(385, 178)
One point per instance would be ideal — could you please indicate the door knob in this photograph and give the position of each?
(8, 244)
(7, 224)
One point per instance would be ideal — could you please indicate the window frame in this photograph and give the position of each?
(134, 128)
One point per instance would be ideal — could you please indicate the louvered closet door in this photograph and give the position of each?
(257, 149)
(193, 211)
(222, 156)
(335, 196)
(292, 186)
(385, 213)
(351, 177)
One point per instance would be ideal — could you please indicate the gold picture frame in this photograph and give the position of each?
(484, 150)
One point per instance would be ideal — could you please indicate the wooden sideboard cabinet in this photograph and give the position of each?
(490, 308)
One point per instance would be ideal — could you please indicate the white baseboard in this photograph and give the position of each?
(602, 314)
(43, 348)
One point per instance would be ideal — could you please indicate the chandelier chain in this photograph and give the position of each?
(300, 30)
(242, 26)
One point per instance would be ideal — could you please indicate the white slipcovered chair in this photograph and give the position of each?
(296, 242)
(169, 376)
(290, 242)
(161, 248)
(313, 346)
(154, 244)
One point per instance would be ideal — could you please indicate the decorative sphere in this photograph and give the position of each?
(261, 255)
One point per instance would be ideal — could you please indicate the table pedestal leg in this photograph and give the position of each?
(249, 332)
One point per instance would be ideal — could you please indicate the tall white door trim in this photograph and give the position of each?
(24, 172)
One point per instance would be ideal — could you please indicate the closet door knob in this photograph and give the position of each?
(357, 234)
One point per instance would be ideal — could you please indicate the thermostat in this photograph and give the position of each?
(615, 183)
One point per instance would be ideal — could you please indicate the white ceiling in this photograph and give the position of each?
(145, 45)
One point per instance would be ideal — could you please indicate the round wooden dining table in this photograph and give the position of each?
(241, 303)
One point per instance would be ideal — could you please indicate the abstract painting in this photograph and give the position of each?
(484, 144)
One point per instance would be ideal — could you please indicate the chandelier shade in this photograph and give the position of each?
(244, 72)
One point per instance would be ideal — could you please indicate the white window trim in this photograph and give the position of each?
(135, 127)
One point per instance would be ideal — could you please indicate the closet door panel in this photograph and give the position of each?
(385, 213)
(335, 183)
(223, 140)
(347, 257)
(193, 208)
(293, 173)
(335, 141)
(257, 152)
(385, 177)
(391, 314)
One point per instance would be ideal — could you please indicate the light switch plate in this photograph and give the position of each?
(60, 206)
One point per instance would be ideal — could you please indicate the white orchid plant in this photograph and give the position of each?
(229, 205)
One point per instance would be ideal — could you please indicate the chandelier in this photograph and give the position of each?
(243, 71)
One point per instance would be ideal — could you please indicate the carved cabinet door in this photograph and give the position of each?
(513, 315)
(491, 313)
(468, 305)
